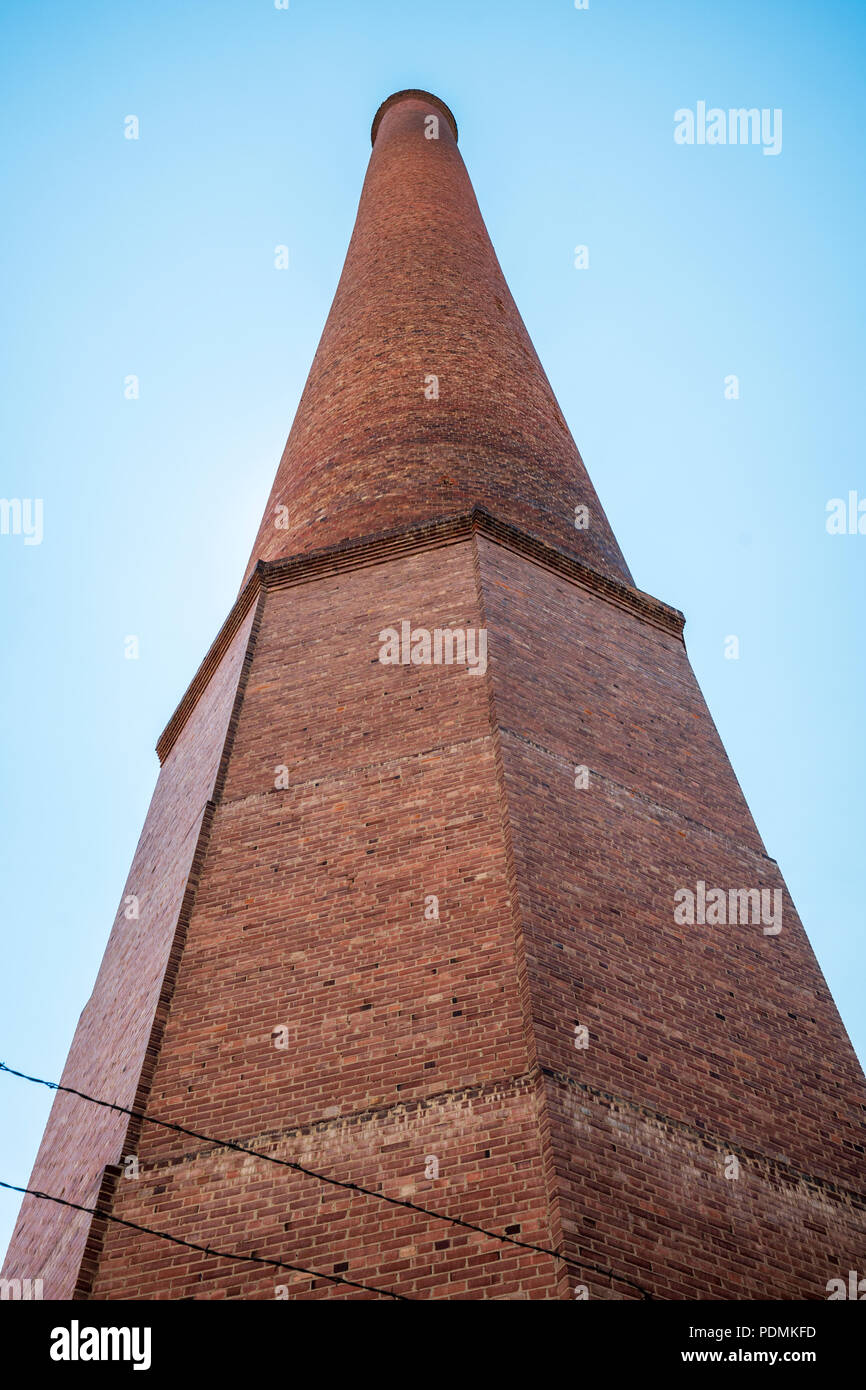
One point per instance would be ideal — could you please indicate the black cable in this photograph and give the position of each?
(282, 1162)
(323, 1177)
(204, 1249)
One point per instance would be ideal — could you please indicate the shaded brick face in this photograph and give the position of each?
(422, 294)
(703, 1040)
(636, 1193)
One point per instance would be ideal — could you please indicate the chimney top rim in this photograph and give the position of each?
(402, 96)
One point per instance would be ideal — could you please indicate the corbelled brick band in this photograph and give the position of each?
(707, 1142)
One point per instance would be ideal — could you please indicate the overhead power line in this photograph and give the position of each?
(324, 1177)
(204, 1249)
(282, 1162)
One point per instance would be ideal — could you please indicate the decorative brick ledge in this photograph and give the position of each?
(391, 545)
(777, 1171)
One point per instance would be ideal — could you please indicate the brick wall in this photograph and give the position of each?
(340, 793)
(407, 1038)
(704, 1041)
(405, 1034)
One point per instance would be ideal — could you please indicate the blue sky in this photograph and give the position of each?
(155, 258)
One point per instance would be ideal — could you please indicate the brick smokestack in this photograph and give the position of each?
(422, 295)
(411, 927)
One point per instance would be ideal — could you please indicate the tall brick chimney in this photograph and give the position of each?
(494, 935)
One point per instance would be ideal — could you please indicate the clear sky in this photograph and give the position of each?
(155, 257)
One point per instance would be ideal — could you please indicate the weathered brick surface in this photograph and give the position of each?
(113, 1034)
(576, 676)
(408, 1037)
(486, 1140)
(422, 292)
(640, 1195)
(311, 914)
(704, 1040)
